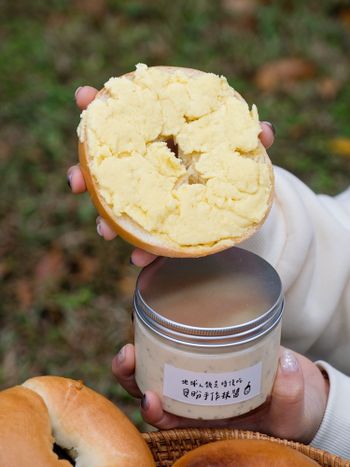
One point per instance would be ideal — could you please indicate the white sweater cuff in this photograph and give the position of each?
(334, 432)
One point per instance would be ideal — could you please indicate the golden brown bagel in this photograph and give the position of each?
(214, 193)
(244, 453)
(48, 409)
(25, 431)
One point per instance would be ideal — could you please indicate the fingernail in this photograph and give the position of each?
(99, 229)
(121, 355)
(69, 181)
(77, 91)
(289, 362)
(273, 129)
(144, 402)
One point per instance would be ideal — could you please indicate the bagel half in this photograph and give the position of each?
(172, 160)
(49, 409)
(244, 453)
(25, 431)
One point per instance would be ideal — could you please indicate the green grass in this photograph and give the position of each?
(73, 319)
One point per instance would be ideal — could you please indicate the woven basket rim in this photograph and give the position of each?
(168, 445)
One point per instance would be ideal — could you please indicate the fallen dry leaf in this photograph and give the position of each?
(344, 15)
(95, 8)
(328, 87)
(24, 293)
(340, 146)
(240, 7)
(283, 73)
(84, 268)
(240, 14)
(50, 268)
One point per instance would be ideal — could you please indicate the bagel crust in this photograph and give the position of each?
(25, 431)
(244, 453)
(173, 161)
(90, 427)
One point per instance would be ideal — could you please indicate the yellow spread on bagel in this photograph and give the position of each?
(214, 188)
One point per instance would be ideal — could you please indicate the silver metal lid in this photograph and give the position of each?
(229, 298)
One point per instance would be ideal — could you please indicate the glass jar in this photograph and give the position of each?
(207, 333)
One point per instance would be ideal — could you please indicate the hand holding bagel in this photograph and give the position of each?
(188, 122)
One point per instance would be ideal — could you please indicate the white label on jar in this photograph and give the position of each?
(212, 388)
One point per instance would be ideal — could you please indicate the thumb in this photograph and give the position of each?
(287, 401)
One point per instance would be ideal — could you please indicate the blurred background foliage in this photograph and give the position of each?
(65, 293)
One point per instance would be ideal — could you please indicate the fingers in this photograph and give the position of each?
(153, 413)
(267, 136)
(77, 184)
(84, 95)
(142, 258)
(76, 180)
(123, 368)
(104, 230)
(286, 412)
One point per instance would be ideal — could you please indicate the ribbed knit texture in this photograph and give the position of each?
(334, 432)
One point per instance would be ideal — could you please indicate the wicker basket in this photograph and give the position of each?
(168, 445)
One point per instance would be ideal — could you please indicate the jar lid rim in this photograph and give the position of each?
(238, 260)
(271, 314)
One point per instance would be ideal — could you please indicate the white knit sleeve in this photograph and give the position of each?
(306, 238)
(333, 434)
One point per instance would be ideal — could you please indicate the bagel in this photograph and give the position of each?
(244, 453)
(49, 409)
(25, 431)
(173, 162)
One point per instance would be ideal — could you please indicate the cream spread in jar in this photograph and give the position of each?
(207, 333)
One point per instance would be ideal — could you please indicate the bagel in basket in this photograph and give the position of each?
(172, 160)
(244, 453)
(49, 409)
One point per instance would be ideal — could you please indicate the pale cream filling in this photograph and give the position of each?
(217, 185)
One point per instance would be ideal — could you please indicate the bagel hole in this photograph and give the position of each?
(192, 177)
(62, 454)
(174, 148)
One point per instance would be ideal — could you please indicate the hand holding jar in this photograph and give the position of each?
(223, 328)
(294, 410)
